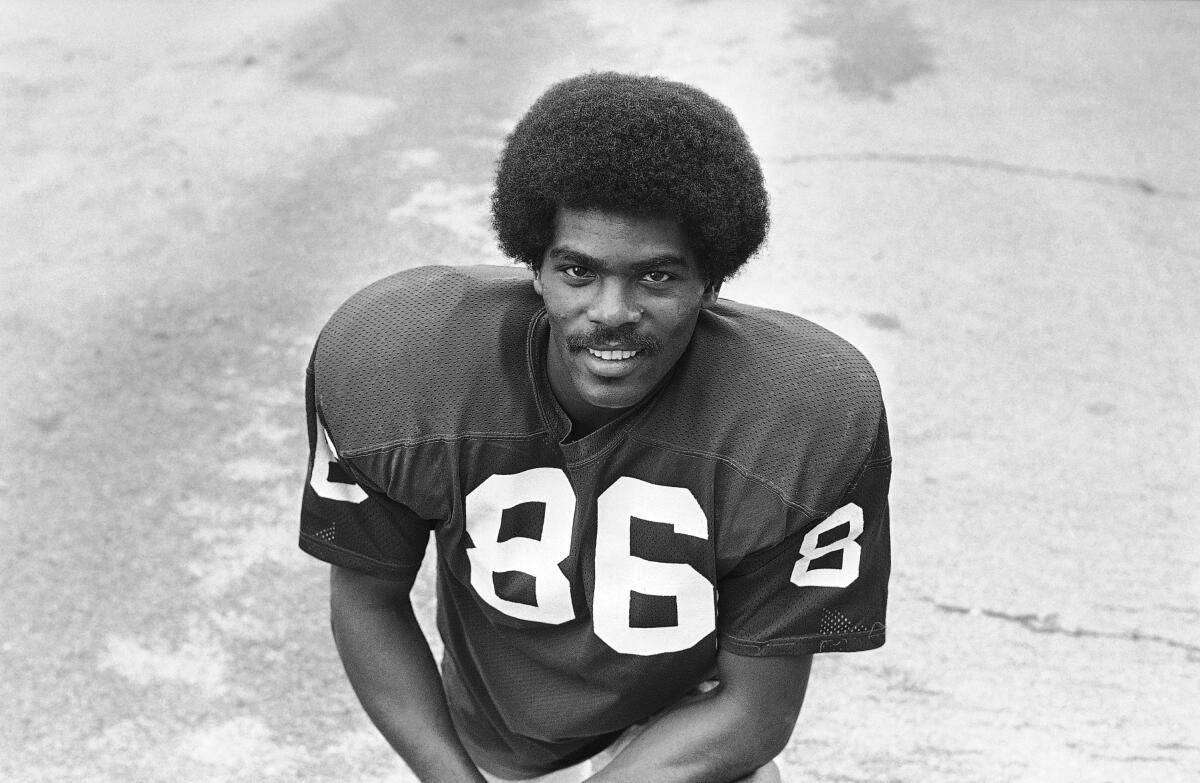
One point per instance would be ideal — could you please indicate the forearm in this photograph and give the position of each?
(707, 739)
(725, 734)
(392, 670)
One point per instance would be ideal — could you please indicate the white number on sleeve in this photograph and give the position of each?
(804, 575)
(539, 558)
(618, 572)
(325, 455)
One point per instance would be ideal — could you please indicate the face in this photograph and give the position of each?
(622, 294)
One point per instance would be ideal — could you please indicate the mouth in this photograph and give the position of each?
(612, 355)
(612, 364)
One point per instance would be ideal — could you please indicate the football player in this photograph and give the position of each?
(651, 505)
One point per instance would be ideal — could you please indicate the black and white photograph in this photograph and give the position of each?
(575, 390)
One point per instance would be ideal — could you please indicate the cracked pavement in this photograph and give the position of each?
(1052, 624)
(998, 165)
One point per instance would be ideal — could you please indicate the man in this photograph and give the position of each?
(651, 506)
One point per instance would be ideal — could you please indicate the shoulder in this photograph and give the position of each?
(784, 401)
(415, 301)
(789, 366)
(412, 356)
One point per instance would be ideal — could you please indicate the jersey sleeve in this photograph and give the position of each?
(346, 521)
(824, 587)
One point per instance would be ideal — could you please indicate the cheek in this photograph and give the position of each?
(562, 324)
(680, 321)
(559, 315)
(566, 310)
(559, 304)
(679, 334)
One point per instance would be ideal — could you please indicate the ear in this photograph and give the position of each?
(709, 297)
(537, 281)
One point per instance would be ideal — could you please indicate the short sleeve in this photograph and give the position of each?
(824, 587)
(347, 522)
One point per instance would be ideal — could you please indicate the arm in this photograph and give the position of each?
(724, 734)
(392, 670)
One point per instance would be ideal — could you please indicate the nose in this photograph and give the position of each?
(613, 304)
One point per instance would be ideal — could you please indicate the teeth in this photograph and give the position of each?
(612, 356)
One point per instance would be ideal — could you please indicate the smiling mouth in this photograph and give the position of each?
(612, 356)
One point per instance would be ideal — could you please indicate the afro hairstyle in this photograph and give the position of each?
(637, 145)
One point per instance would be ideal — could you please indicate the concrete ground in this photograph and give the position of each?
(997, 201)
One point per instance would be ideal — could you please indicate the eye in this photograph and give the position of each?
(575, 271)
(657, 276)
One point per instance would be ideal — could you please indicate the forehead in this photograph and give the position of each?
(616, 237)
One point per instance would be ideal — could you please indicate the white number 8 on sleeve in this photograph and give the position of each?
(804, 575)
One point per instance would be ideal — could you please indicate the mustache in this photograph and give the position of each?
(626, 336)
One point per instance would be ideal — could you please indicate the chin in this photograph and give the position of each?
(614, 398)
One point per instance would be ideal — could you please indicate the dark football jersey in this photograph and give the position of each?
(584, 584)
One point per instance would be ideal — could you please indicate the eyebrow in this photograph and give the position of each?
(646, 264)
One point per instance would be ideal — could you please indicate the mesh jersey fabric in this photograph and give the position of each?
(746, 497)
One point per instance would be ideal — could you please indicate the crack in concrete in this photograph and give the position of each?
(1128, 183)
(1049, 624)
